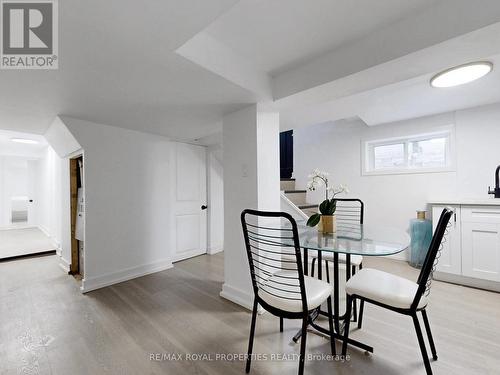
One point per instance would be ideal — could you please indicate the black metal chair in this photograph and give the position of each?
(349, 211)
(399, 294)
(279, 284)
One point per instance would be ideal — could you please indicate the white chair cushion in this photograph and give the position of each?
(356, 260)
(317, 292)
(385, 288)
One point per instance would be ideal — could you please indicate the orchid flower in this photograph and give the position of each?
(316, 179)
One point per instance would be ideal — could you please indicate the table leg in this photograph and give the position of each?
(347, 277)
(336, 291)
(305, 266)
(320, 265)
(336, 306)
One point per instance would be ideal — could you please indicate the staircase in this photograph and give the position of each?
(297, 197)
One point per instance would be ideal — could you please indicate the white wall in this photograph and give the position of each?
(126, 176)
(49, 199)
(13, 182)
(215, 186)
(45, 199)
(251, 180)
(392, 199)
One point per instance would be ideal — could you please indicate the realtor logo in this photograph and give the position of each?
(29, 34)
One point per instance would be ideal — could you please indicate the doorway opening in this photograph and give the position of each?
(77, 203)
(26, 195)
(286, 155)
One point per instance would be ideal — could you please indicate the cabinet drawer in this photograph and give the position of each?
(481, 214)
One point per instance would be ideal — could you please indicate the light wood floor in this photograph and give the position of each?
(48, 327)
(23, 241)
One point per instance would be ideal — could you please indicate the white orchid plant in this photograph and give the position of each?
(328, 207)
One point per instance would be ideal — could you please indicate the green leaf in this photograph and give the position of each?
(313, 220)
(328, 206)
(334, 205)
(323, 207)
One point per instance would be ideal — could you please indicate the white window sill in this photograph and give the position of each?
(383, 172)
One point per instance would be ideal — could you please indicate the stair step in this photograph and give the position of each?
(296, 196)
(287, 184)
(306, 206)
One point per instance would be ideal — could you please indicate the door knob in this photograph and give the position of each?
(204, 207)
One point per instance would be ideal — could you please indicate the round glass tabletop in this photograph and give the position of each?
(352, 238)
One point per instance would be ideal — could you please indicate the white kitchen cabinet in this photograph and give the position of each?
(481, 242)
(450, 260)
(471, 253)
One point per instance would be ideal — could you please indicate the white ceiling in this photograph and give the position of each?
(281, 34)
(9, 148)
(118, 66)
(400, 101)
(122, 66)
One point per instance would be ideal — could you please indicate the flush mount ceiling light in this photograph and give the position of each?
(24, 140)
(461, 74)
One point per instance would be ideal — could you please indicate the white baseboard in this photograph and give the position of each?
(16, 226)
(404, 256)
(187, 255)
(467, 281)
(44, 230)
(215, 249)
(56, 244)
(64, 264)
(97, 282)
(239, 297)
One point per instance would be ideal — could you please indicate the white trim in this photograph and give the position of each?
(408, 171)
(368, 144)
(93, 283)
(57, 245)
(15, 226)
(75, 154)
(467, 281)
(215, 249)
(64, 264)
(44, 230)
(237, 296)
(188, 254)
(288, 206)
(402, 256)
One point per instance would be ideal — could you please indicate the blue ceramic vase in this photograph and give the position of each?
(421, 236)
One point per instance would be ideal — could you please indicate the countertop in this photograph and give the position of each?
(467, 201)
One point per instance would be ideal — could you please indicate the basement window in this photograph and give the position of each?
(420, 153)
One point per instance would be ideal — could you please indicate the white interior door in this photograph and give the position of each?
(190, 219)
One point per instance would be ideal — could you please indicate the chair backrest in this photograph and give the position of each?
(274, 257)
(432, 257)
(350, 210)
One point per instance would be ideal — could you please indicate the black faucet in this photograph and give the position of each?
(496, 191)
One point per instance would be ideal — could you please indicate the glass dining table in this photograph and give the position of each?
(349, 239)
